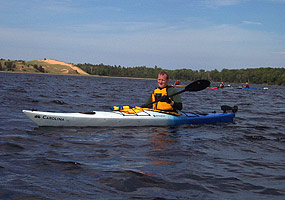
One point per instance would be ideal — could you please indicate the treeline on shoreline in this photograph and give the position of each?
(269, 76)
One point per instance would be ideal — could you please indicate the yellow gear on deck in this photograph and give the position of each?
(137, 109)
(129, 109)
(157, 93)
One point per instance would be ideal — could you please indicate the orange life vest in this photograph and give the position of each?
(157, 93)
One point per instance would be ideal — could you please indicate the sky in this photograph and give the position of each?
(171, 34)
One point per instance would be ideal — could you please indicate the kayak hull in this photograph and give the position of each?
(119, 119)
(179, 85)
(254, 88)
(227, 87)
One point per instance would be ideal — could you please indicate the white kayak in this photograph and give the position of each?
(121, 119)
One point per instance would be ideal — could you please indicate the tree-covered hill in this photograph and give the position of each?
(270, 76)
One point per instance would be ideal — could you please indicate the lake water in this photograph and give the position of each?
(240, 160)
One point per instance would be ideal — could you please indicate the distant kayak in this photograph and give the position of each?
(243, 88)
(265, 88)
(213, 88)
(225, 87)
(178, 85)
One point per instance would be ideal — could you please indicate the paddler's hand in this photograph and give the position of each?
(165, 99)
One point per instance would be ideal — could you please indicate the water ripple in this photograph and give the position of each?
(241, 160)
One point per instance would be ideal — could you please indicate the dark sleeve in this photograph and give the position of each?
(177, 106)
(177, 99)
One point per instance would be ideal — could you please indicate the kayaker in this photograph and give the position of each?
(222, 85)
(246, 85)
(177, 82)
(165, 103)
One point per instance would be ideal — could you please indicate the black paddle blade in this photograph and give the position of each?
(197, 85)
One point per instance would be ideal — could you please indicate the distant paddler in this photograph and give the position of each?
(177, 82)
(246, 85)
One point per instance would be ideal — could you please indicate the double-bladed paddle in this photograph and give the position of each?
(194, 86)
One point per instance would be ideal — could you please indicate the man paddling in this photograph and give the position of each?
(160, 95)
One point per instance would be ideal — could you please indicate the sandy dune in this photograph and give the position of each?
(52, 61)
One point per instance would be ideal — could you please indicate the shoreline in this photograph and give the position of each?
(98, 76)
(89, 75)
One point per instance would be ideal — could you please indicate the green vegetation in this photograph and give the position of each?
(107, 70)
(39, 68)
(35, 66)
(20, 66)
(270, 76)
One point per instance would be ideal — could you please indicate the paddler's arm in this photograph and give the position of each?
(176, 102)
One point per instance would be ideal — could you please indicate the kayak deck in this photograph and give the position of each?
(120, 119)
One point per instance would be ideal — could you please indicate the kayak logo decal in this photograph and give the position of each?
(158, 115)
(53, 118)
(37, 116)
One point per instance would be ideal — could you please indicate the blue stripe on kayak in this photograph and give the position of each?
(202, 119)
(255, 88)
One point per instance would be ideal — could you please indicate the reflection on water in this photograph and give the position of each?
(161, 143)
